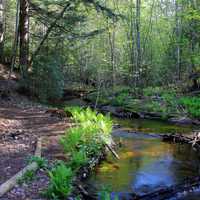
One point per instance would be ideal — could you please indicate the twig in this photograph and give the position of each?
(112, 151)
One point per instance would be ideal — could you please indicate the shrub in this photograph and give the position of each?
(192, 105)
(151, 91)
(120, 99)
(47, 81)
(165, 93)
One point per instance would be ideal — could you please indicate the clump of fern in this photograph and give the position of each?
(81, 143)
(60, 182)
(92, 132)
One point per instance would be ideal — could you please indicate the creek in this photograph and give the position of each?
(146, 163)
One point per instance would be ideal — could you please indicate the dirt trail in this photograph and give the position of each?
(22, 121)
(19, 130)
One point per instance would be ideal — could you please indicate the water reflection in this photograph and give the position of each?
(146, 164)
(154, 126)
(155, 175)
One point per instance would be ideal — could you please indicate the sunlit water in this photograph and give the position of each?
(146, 163)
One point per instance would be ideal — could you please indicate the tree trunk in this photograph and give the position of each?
(111, 35)
(193, 38)
(24, 37)
(138, 50)
(178, 40)
(131, 41)
(16, 39)
(1, 30)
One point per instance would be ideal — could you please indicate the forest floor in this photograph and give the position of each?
(22, 122)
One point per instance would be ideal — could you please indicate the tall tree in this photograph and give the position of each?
(24, 36)
(1, 30)
(111, 36)
(138, 49)
(16, 39)
(178, 38)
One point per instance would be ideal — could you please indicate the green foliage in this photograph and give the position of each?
(60, 182)
(120, 99)
(154, 106)
(192, 105)
(47, 80)
(161, 100)
(72, 139)
(165, 93)
(81, 143)
(152, 91)
(78, 159)
(87, 139)
(27, 177)
(105, 194)
(87, 118)
(42, 162)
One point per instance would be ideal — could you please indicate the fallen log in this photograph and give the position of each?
(176, 138)
(194, 140)
(188, 185)
(10, 183)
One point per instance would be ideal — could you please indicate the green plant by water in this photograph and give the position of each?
(81, 144)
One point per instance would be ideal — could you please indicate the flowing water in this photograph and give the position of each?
(146, 163)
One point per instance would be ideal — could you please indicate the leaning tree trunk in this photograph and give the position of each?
(48, 31)
(24, 37)
(1, 29)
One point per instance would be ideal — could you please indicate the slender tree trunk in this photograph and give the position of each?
(131, 41)
(1, 30)
(16, 40)
(138, 51)
(132, 46)
(193, 39)
(178, 40)
(24, 37)
(111, 36)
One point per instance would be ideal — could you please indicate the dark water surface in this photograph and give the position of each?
(146, 163)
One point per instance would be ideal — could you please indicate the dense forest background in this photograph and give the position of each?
(105, 44)
(80, 78)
